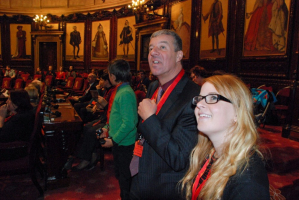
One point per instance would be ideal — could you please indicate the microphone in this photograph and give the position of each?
(56, 113)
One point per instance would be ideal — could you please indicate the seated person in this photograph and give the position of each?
(39, 86)
(60, 76)
(140, 93)
(39, 72)
(71, 72)
(16, 117)
(226, 156)
(9, 72)
(198, 74)
(52, 73)
(143, 79)
(89, 113)
(83, 101)
(33, 95)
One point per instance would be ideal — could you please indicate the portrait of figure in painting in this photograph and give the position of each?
(214, 27)
(125, 39)
(181, 20)
(266, 27)
(99, 44)
(74, 41)
(20, 44)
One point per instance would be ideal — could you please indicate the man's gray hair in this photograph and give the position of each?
(177, 39)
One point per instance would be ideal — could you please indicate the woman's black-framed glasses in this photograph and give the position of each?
(210, 99)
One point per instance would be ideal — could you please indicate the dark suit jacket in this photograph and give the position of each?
(87, 96)
(169, 138)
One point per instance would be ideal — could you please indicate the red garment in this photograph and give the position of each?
(257, 30)
(60, 75)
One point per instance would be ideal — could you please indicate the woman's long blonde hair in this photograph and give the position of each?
(241, 141)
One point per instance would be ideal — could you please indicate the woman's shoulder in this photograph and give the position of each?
(250, 181)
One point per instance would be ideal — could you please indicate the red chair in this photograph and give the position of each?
(69, 83)
(84, 75)
(49, 80)
(6, 83)
(25, 77)
(81, 92)
(28, 82)
(282, 104)
(19, 83)
(78, 84)
(37, 76)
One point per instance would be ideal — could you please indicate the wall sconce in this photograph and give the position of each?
(41, 21)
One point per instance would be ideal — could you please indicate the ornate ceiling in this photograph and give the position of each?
(57, 7)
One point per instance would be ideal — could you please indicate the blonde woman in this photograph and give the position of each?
(226, 162)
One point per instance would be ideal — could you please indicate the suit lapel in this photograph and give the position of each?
(173, 97)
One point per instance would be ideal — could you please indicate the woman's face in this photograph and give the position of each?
(214, 120)
(10, 105)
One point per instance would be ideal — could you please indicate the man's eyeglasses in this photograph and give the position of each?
(210, 99)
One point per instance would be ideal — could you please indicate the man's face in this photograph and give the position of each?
(141, 75)
(75, 28)
(162, 58)
(50, 68)
(7, 68)
(71, 68)
(91, 78)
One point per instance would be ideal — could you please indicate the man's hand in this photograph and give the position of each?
(147, 108)
(75, 98)
(102, 101)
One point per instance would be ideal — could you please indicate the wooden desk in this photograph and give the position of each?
(61, 136)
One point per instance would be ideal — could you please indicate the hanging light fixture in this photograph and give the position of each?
(41, 20)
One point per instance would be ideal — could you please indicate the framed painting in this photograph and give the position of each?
(52, 26)
(0, 45)
(181, 23)
(213, 29)
(126, 38)
(266, 27)
(20, 41)
(145, 40)
(100, 40)
(74, 41)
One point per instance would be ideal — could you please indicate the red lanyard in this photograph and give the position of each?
(111, 99)
(196, 189)
(167, 92)
(8, 118)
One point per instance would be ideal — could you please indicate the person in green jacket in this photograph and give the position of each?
(121, 123)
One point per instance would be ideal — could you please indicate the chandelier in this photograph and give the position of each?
(140, 6)
(41, 21)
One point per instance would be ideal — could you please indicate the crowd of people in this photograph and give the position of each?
(173, 136)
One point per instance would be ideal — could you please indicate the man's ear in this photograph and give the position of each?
(179, 56)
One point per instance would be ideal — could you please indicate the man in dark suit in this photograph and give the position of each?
(168, 128)
(83, 101)
(75, 41)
